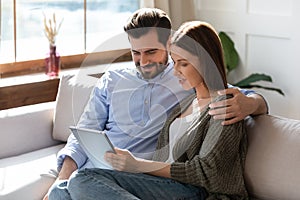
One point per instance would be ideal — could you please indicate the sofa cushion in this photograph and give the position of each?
(272, 169)
(73, 94)
(26, 176)
(25, 129)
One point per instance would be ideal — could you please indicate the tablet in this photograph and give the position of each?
(95, 143)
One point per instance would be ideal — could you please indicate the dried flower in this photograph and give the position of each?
(51, 28)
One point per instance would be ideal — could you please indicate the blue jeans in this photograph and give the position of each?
(59, 190)
(109, 184)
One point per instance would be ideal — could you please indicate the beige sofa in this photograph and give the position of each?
(31, 136)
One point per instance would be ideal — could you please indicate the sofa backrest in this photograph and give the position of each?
(272, 169)
(73, 94)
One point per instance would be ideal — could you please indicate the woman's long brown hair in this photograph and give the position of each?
(200, 39)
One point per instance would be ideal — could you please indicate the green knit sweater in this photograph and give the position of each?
(209, 154)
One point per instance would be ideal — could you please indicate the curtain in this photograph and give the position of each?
(178, 10)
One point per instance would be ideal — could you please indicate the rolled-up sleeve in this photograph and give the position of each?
(73, 150)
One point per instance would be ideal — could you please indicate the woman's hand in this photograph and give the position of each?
(123, 160)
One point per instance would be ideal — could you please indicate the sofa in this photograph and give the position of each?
(32, 135)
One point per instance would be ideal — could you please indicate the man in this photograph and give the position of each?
(132, 104)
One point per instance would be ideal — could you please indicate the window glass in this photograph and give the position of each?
(31, 40)
(6, 31)
(105, 21)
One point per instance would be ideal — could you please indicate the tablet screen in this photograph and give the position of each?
(95, 143)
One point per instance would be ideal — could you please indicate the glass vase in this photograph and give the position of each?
(52, 62)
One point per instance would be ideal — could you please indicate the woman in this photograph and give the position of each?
(196, 157)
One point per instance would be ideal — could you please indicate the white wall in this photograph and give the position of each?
(267, 36)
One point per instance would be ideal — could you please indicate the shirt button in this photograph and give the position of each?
(146, 102)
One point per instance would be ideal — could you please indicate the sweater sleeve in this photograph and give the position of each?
(214, 159)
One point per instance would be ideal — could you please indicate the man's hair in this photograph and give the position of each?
(146, 19)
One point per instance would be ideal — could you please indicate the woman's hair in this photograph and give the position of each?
(201, 40)
(146, 19)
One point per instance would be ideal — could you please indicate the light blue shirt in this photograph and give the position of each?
(130, 109)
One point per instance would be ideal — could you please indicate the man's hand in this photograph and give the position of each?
(68, 167)
(45, 197)
(238, 107)
(58, 183)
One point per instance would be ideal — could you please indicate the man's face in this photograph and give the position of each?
(149, 55)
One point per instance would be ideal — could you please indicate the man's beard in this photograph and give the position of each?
(159, 67)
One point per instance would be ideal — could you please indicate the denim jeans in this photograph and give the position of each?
(59, 190)
(109, 185)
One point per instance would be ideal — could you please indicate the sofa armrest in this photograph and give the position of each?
(272, 161)
(26, 129)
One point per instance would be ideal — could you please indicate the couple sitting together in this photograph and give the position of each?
(178, 127)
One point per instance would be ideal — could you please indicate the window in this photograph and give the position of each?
(6, 31)
(86, 25)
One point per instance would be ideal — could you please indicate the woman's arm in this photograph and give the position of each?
(219, 163)
(123, 160)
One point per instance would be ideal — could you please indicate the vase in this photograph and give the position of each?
(52, 62)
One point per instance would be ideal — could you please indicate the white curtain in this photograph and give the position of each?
(178, 10)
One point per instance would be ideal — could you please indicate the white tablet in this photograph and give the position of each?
(95, 144)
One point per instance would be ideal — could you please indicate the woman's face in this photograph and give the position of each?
(184, 63)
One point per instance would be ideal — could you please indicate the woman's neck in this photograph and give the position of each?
(204, 96)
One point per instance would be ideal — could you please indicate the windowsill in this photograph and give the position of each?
(33, 67)
(94, 70)
(25, 79)
(33, 78)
